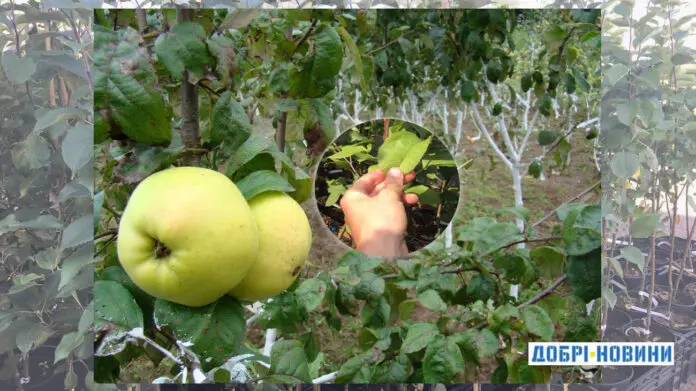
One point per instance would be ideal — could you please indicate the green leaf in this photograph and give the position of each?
(32, 153)
(681, 59)
(78, 232)
(263, 181)
(347, 151)
(537, 321)
(78, 147)
(87, 319)
(514, 266)
(115, 310)
(431, 300)
(183, 48)
(10, 223)
(481, 287)
(229, 123)
(47, 259)
(355, 370)
(72, 265)
(547, 137)
(336, 190)
(279, 80)
(585, 275)
(314, 75)
(500, 374)
(624, 164)
(522, 373)
(582, 229)
(355, 55)
(324, 118)
(634, 255)
(328, 52)
(222, 48)
(126, 97)
(549, 261)
(643, 226)
(67, 344)
(443, 361)
(113, 304)
(484, 341)
(419, 336)
(392, 372)
(370, 286)
(31, 336)
(282, 313)
(215, 330)
(488, 235)
(616, 73)
(402, 149)
(288, 358)
(251, 148)
(18, 69)
(311, 293)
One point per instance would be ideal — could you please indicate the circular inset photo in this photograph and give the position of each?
(387, 187)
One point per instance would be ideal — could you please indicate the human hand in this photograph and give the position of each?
(375, 213)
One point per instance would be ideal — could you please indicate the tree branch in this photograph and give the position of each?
(533, 300)
(589, 189)
(304, 37)
(482, 127)
(386, 45)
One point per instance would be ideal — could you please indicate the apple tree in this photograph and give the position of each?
(258, 96)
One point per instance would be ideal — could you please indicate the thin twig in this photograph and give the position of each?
(533, 300)
(304, 37)
(386, 45)
(106, 234)
(589, 189)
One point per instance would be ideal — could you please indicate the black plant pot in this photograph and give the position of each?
(614, 322)
(632, 298)
(657, 333)
(681, 320)
(614, 378)
(633, 277)
(682, 298)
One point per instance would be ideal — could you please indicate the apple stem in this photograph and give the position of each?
(161, 251)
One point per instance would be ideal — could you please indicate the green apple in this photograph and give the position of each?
(285, 238)
(187, 235)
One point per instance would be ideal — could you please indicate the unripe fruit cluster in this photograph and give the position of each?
(188, 235)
